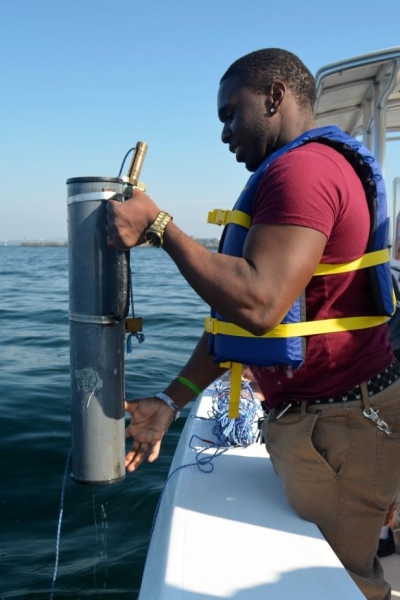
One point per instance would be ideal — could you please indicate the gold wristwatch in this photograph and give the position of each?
(155, 233)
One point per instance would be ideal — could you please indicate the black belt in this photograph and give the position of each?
(374, 385)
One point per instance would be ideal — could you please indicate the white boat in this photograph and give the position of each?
(230, 533)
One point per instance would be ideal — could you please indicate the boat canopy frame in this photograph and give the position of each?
(361, 95)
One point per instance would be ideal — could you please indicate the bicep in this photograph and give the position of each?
(283, 259)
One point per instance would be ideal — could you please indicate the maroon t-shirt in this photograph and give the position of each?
(314, 186)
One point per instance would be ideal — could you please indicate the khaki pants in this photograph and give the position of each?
(341, 472)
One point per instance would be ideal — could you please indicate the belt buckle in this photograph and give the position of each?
(285, 407)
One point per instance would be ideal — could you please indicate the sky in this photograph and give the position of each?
(82, 81)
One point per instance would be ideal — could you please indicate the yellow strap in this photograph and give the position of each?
(225, 217)
(234, 393)
(284, 330)
(218, 216)
(367, 260)
(226, 365)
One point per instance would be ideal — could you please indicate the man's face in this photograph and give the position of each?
(246, 123)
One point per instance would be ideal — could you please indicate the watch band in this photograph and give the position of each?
(154, 234)
(170, 402)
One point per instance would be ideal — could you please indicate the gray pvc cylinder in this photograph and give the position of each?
(96, 338)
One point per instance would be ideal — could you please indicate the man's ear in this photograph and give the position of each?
(275, 96)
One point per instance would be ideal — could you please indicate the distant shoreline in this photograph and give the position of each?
(211, 243)
(41, 243)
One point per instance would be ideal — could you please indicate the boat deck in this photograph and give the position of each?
(230, 533)
(391, 566)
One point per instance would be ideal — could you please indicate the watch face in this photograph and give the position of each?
(153, 238)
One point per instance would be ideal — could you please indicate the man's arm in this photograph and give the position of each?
(200, 369)
(151, 418)
(254, 291)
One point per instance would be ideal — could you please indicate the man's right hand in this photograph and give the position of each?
(127, 221)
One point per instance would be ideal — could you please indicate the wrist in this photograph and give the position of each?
(169, 402)
(154, 234)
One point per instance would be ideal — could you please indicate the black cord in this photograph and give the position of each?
(125, 157)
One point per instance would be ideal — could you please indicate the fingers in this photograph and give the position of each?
(136, 456)
(111, 207)
(131, 405)
(140, 451)
(154, 452)
(150, 419)
(116, 227)
(114, 240)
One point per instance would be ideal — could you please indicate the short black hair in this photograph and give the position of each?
(259, 69)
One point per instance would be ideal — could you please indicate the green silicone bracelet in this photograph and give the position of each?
(190, 385)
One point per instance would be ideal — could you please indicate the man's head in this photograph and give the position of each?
(265, 100)
(259, 69)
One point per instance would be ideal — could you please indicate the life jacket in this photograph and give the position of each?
(285, 345)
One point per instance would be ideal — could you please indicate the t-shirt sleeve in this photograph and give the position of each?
(302, 188)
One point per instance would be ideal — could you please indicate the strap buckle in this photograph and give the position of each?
(373, 416)
(218, 216)
(210, 325)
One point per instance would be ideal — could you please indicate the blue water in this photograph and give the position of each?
(105, 530)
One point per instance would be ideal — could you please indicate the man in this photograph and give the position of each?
(306, 205)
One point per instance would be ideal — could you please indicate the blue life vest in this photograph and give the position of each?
(285, 345)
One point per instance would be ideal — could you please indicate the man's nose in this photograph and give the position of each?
(226, 133)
